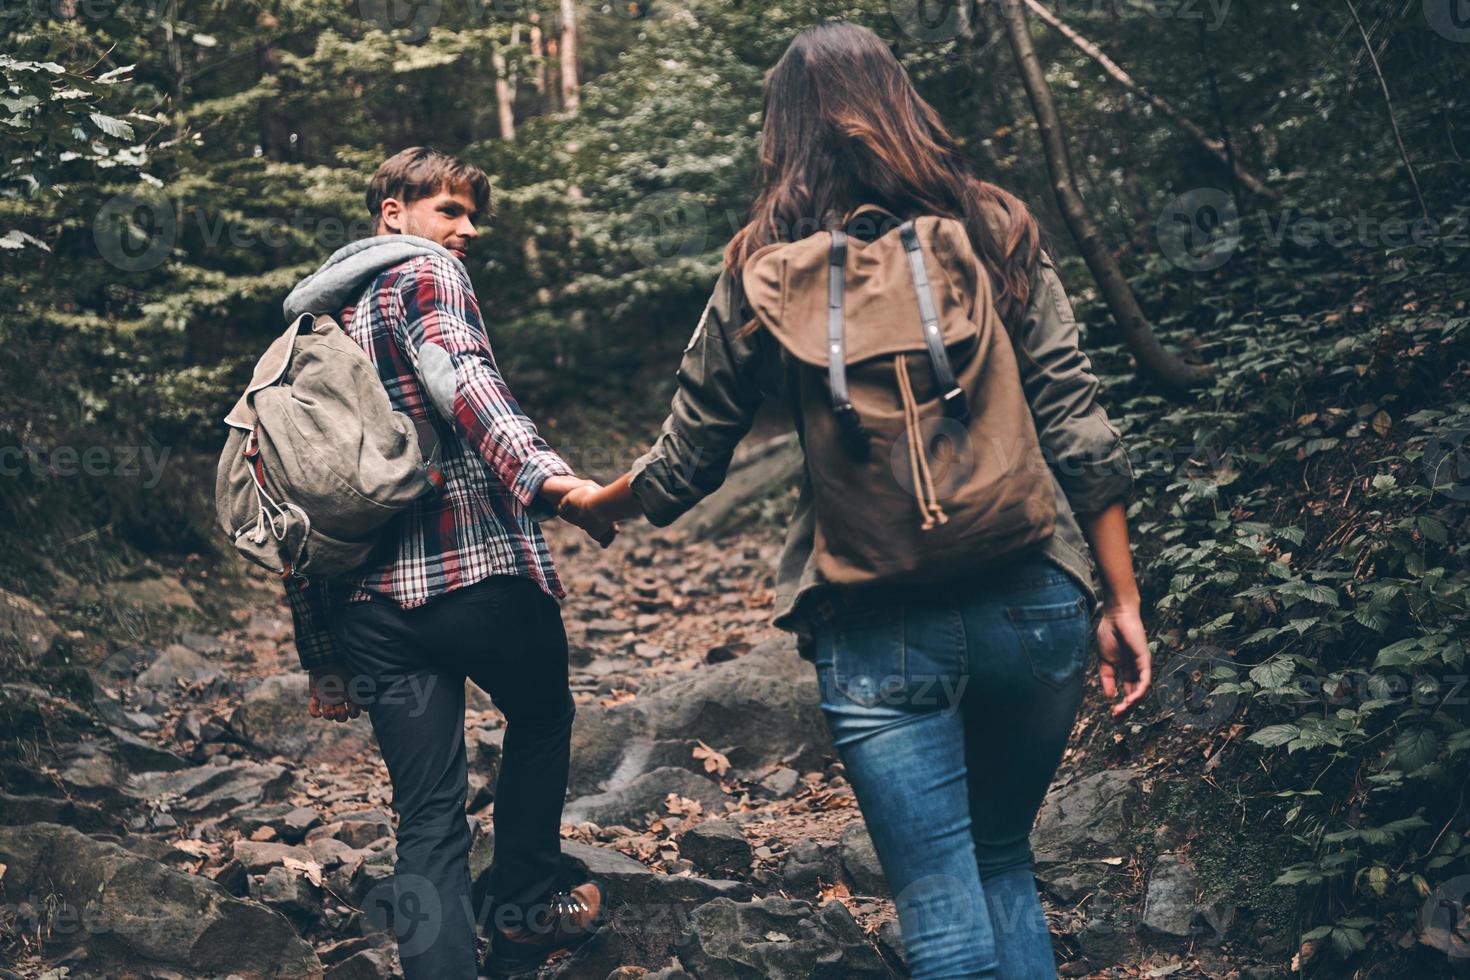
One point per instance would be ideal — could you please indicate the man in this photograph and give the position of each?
(461, 585)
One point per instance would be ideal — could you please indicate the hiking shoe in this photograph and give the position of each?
(571, 918)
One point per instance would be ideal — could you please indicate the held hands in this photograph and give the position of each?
(329, 697)
(1123, 655)
(580, 507)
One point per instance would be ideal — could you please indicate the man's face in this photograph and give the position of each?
(447, 218)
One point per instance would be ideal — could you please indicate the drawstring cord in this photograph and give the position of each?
(269, 510)
(924, 488)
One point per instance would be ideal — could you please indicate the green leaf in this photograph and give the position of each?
(1274, 735)
(1414, 749)
(115, 128)
(1273, 674)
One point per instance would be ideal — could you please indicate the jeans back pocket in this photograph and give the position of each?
(1053, 638)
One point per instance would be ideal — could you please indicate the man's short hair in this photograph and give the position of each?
(422, 171)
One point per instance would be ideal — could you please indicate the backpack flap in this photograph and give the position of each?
(786, 287)
(269, 370)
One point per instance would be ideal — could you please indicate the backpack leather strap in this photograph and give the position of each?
(847, 417)
(955, 404)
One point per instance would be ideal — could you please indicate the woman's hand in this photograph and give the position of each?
(581, 507)
(1123, 656)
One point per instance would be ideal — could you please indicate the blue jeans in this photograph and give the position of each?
(950, 707)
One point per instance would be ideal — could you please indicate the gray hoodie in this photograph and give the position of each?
(342, 277)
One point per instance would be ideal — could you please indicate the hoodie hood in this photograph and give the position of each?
(343, 276)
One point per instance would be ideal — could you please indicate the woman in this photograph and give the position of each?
(982, 674)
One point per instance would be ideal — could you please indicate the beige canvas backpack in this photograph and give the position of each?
(919, 441)
(317, 461)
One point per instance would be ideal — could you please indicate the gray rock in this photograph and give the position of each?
(144, 756)
(17, 810)
(374, 877)
(1084, 817)
(25, 628)
(290, 891)
(358, 829)
(134, 911)
(259, 856)
(1170, 899)
(860, 861)
(646, 912)
(1106, 938)
(369, 964)
(759, 710)
(296, 824)
(205, 643)
(207, 790)
(177, 665)
(716, 847)
(779, 939)
(782, 782)
(1173, 906)
(151, 589)
(809, 865)
(630, 803)
(1067, 882)
(273, 719)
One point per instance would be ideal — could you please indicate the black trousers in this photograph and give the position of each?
(408, 667)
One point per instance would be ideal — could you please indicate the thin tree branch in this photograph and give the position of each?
(1117, 74)
(1388, 101)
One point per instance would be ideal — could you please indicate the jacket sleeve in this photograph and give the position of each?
(309, 604)
(435, 309)
(718, 393)
(1084, 448)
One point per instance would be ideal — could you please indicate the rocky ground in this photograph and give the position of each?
(187, 819)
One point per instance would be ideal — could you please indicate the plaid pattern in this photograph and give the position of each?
(483, 520)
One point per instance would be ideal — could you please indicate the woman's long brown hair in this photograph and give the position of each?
(844, 126)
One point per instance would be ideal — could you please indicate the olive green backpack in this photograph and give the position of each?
(317, 461)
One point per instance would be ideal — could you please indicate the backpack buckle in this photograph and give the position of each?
(956, 405)
(854, 436)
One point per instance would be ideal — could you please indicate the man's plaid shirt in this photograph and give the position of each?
(420, 320)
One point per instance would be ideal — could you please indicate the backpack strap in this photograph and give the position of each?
(847, 417)
(955, 404)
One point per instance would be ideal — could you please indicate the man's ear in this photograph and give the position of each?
(390, 215)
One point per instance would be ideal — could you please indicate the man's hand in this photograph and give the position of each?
(329, 696)
(1123, 654)
(580, 507)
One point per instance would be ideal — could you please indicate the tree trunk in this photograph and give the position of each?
(538, 52)
(1117, 74)
(570, 89)
(1153, 360)
(505, 87)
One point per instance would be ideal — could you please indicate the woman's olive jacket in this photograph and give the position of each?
(726, 373)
